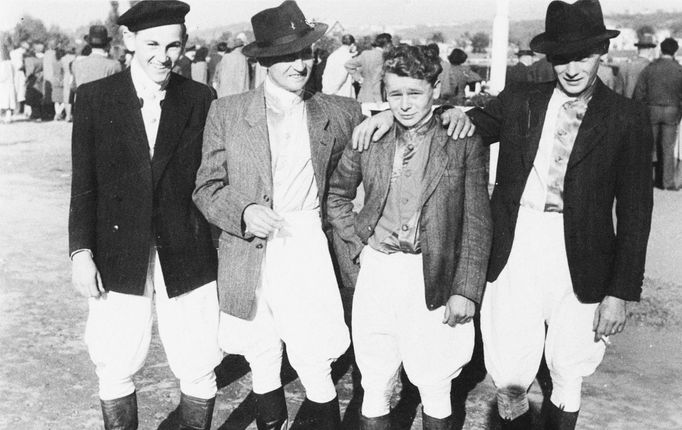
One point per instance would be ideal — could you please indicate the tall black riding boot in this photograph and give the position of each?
(195, 413)
(522, 422)
(318, 416)
(431, 423)
(375, 423)
(558, 419)
(121, 413)
(271, 410)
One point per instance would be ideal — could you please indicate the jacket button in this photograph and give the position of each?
(369, 228)
(266, 198)
(405, 227)
(259, 246)
(115, 228)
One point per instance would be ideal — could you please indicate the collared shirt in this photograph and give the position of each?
(398, 227)
(151, 94)
(293, 177)
(535, 193)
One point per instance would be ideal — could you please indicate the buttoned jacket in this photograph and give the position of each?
(123, 201)
(610, 163)
(236, 171)
(455, 226)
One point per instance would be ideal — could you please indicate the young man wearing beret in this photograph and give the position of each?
(560, 276)
(263, 181)
(422, 240)
(136, 239)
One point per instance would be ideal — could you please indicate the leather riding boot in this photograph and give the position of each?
(195, 413)
(121, 413)
(271, 410)
(522, 422)
(558, 419)
(375, 423)
(431, 423)
(318, 416)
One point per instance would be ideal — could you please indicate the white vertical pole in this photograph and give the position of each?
(498, 60)
(498, 69)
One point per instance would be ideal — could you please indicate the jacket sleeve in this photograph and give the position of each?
(488, 121)
(221, 204)
(640, 93)
(477, 232)
(354, 66)
(83, 204)
(634, 203)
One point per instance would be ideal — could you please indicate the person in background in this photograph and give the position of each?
(67, 82)
(183, 66)
(314, 84)
(445, 66)
(136, 240)
(660, 87)
(58, 85)
(458, 78)
(33, 65)
(200, 66)
(421, 240)
(232, 74)
(17, 57)
(97, 64)
(630, 71)
(608, 75)
(521, 71)
(542, 71)
(8, 96)
(336, 79)
(214, 59)
(366, 69)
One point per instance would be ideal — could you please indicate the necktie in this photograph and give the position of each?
(568, 123)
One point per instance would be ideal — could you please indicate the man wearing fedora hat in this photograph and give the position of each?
(136, 239)
(559, 275)
(97, 65)
(646, 51)
(263, 180)
(568, 150)
(521, 72)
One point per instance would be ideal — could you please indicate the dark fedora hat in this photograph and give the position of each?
(646, 41)
(97, 35)
(282, 30)
(572, 28)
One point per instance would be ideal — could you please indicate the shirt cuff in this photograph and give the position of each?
(81, 250)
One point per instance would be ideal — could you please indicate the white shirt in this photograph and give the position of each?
(293, 177)
(152, 95)
(535, 194)
(336, 79)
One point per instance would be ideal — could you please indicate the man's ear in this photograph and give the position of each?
(436, 90)
(128, 38)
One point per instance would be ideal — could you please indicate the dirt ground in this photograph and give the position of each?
(48, 382)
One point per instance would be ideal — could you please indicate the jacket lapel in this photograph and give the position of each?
(380, 166)
(536, 109)
(128, 110)
(174, 116)
(257, 142)
(592, 127)
(437, 162)
(321, 140)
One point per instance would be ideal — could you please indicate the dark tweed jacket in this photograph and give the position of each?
(455, 226)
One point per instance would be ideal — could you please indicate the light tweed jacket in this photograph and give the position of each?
(236, 171)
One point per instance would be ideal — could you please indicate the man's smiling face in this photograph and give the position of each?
(290, 72)
(157, 49)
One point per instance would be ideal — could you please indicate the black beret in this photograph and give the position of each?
(154, 13)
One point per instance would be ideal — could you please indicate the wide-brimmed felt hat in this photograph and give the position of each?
(97, 35)
(572, 28)
(646, 41)
(282, 30)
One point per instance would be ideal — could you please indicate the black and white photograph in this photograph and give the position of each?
(340, 215)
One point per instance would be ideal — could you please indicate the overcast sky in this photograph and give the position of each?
(70, 14)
